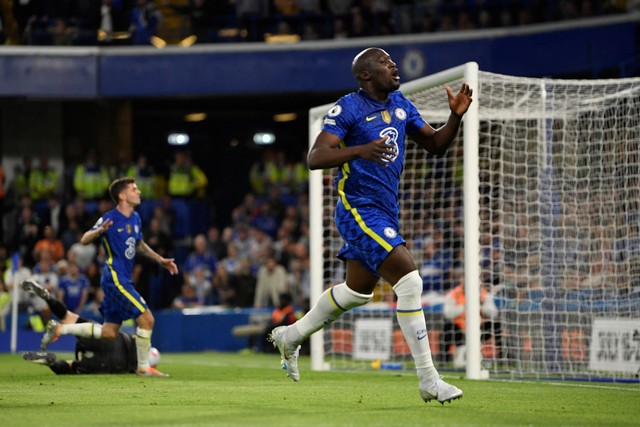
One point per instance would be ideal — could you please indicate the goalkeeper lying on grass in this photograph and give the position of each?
(92, 356)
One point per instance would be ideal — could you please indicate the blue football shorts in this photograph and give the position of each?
(121, 301)
(369, 233)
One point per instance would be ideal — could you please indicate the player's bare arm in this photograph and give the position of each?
(93, 234)
(324, 153)
(168, 263)
(437, 141)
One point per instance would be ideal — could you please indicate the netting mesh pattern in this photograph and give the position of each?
(559, 186)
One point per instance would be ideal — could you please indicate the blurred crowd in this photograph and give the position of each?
(259, 256)
(138, 22)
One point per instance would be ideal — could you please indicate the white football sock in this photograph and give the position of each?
(412, 322)
(331, 304)
(143, 345)
(84, 330)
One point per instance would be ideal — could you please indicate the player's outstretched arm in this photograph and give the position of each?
(168, 263)
(438, 140)
(94, 233)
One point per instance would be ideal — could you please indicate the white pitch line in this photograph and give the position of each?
(601, 387)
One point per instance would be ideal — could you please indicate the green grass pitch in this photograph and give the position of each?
(237, 389)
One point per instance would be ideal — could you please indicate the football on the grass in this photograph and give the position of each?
(154, 357)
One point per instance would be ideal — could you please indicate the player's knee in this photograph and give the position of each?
(146, 320)
(345, 298)
(109, 334)
(409, 285)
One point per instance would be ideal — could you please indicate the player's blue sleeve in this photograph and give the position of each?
(414, 119)
(99, 222)
(339, 119)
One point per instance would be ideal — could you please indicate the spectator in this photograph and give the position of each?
(70, 234)
(435, 266)
(243, 284)
(455, 329)
(200, 257)
(74, 288)
(215, 244)
(95, 291)
(267, 220)
(5, 304)
(246, 211)
(44, 182)
(188, 298)
(242, 241)
(339, 28)
(145, 177)
(249, 14)
(339, 7)
(145, 22)
(271, 282)
(53, 215)
(84, 215)
(121, 167)
(185, 178)
(283, 314)
(260, 246)
(152, 282)
(22, 179)
(91, 179)
(165, 215)
(299, 174)
(299, 276)
(264, 173)
(203, 286)
(28, 230)
(231, 262)
(200, 15)
(110, 21)
(50, 243)
(226, 294)
(3, 204)
(359, 24)
(157, 238)
(14, 275)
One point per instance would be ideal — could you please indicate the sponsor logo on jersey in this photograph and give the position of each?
(401, 114)
(329, 122)
(386, 116)
(371, 117)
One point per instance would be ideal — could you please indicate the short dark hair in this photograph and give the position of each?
(118, 185)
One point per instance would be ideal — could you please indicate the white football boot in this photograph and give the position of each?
(289, 355)
(439, 390)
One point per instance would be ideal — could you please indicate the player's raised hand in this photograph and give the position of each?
(170, 265)
(459, 104)
(105, 226)
(379, 151)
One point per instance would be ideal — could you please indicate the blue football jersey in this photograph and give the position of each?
(119, 243)
(358, 119)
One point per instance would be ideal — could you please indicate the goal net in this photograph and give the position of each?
(536, 205)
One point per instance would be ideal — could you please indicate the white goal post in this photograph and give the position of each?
(537, 205)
